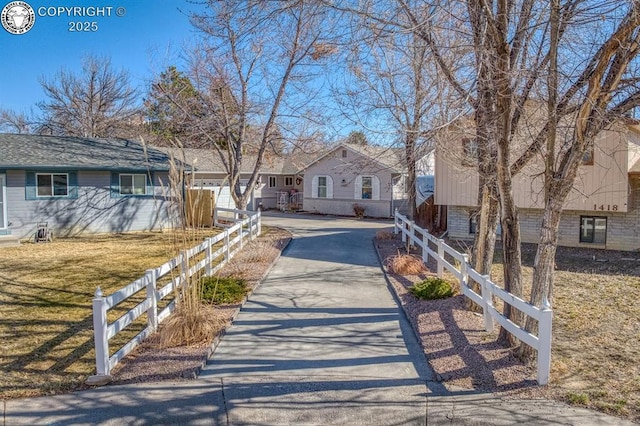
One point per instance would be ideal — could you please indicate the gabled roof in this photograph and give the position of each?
(208, 160)
(388, 158)
(20, 151)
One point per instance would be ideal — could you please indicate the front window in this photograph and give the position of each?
(272, 181)
(133, 184)
(593, 229)
(288, 181)
(322, 187)
(52, 184)
(367, 187)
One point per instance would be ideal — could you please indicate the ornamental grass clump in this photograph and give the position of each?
(385, 235)
(405, 264)
(432, 288)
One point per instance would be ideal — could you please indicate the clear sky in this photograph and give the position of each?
(147, 37)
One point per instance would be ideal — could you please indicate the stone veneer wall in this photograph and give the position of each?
(623, 229)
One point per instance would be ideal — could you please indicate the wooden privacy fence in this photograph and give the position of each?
(159, 284)
(541, 342)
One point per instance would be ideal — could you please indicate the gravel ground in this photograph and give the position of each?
(150, 362)
(462, 353)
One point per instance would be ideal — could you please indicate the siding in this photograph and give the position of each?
(93, 211)
(623, 229)
(344, 171)
(605, 183)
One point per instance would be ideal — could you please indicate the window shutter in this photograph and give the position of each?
(375, 182)
(329, 187)
(115, 185)
(73, 184)
(357, 188)
(314, 187)
(30, 186)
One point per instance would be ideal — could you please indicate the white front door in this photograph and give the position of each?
(3, 202)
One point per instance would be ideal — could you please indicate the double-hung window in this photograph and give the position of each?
(272, 181)
(133, 184)
(367, 188)
(322, 187)
(52, 184)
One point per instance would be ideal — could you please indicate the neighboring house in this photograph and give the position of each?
(373, 177)
(602, 211)
(81, 185)
(278, 177)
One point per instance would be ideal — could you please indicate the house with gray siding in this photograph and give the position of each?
(374, 177)
(81, 185)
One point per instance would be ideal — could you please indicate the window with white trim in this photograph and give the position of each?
(322, 187)
(367, 188)
(288, 181)
(272, 181)
(52, 184)
(133, 184)
(593, 229)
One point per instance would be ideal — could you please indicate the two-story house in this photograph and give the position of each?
(602, 211)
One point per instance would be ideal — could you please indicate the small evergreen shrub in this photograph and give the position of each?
(223, 290)
(432, 288)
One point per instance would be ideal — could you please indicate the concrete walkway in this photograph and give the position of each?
(320, 342)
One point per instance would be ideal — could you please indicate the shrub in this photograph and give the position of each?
(358, 210)
(432, 288)
(405, 264)
(223, 290)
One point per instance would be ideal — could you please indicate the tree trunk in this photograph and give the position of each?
(543, 270)
(485, 241)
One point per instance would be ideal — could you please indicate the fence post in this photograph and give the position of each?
(227, 255)
(487, 299)
(412, 233)
(184, 266)
(259, 214)
(395, 221)
(100, 333)
(241, 233)
(544, 342)
(440, 267)
(152, 312)
(208, 254)
(464, 275)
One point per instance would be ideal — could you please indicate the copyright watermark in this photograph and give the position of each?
(18, 17)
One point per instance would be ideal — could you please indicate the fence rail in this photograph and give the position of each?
(172, 274)
(542, 342)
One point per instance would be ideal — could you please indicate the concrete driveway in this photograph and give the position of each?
(322, 340)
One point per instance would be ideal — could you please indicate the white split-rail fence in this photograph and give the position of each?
(180, 270)
(541, 343)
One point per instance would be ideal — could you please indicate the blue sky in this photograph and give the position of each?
(145, 40)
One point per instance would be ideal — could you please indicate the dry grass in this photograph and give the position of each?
(596, 329)
(45, 304)
(385, 235)
(188, 326)
(405, 264)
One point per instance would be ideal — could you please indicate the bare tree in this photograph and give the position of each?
(251, 71)
(11, 121)
(512, 49)
(98, 102)
(395, 90)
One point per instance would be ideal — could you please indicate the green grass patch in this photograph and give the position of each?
(223, 290)
(432, 288)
